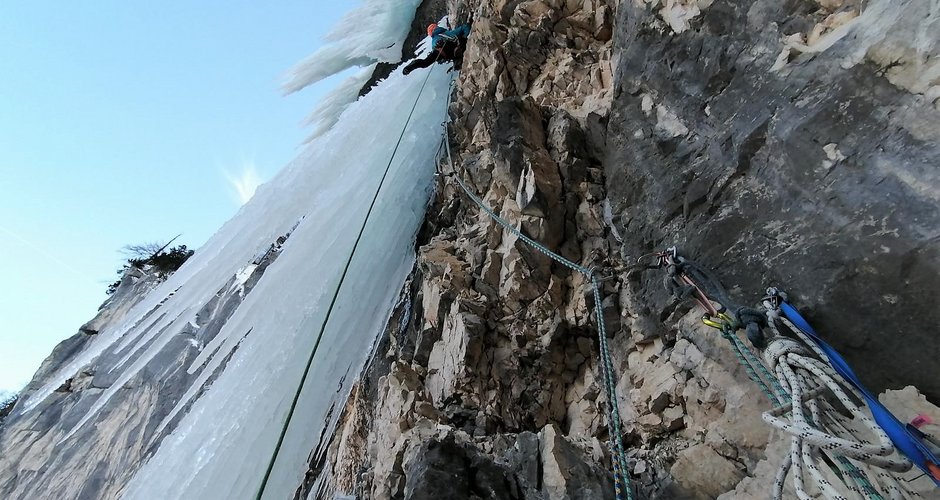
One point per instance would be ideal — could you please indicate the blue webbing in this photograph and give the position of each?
(903, 439)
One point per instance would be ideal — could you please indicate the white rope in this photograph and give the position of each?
(817, 429)
(804, 381)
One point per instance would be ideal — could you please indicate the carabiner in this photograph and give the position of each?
(712, 323)
(727, 318)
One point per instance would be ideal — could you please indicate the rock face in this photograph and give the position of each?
(487, 385)
(607, 131)
(779, 143)
(789, 143)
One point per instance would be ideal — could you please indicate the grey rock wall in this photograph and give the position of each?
(781, 143)
(791, 143)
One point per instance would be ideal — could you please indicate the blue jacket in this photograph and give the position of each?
(440, 35)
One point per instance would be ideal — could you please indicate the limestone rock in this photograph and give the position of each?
(438, 469)
(738, 155)
(703, 473)
(565, 475)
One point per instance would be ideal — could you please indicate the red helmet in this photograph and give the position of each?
(431, 28)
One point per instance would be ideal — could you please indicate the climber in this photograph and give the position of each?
(446, 46)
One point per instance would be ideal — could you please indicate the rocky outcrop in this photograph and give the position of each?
(607, 131)
(786, 143)
(487, 387)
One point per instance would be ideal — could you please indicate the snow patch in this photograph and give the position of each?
(679, 13)
(833, 156)
(646, 104)
(242, 276)
(609, 220)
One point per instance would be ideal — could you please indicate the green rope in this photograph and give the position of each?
(860, 478)
(326, 319)
(502, 222)
(621, 467)
(623, 489)
(749, 361)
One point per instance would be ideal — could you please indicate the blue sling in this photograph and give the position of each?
(904, 440)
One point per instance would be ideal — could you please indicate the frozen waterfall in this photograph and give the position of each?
(222, 447)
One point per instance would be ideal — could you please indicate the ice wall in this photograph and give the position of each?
(225, 425)
(223, 445)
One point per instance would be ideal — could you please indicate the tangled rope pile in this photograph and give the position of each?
(834, 423)
(816, 427)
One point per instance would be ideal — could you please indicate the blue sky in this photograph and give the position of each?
(130, 122)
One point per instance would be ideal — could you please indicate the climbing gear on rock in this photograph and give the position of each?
(622, 487)
(806, 373)
(907, 442)
(817, 428)
(685, 278)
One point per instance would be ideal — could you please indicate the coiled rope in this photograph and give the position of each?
(339, 285)
(622, 487)
(808, 379)
(803, 365)
(803, 378)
